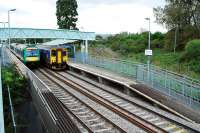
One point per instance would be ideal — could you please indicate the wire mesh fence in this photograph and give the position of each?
(180, 87)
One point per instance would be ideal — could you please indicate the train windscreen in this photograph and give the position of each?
(53, 52)
(64, 53)
(31, 52)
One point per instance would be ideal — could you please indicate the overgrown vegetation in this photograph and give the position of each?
(17, 85)
(192, 55)
(125, 43)
(132, 46)
(182, 19)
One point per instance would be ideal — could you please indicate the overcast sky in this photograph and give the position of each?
(100, 16)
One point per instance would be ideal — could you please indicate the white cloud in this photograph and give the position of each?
(117, 18)
(111, 16)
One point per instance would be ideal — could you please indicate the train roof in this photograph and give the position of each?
(22, 46)
(47, 47)
(59, 42)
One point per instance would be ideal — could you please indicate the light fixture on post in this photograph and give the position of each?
(148, 52)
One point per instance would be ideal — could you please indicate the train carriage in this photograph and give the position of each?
(28, 54)
(54, 57)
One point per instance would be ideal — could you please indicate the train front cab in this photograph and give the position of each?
(58, 58)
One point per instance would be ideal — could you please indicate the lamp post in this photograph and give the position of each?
(148, 52)
(11, 10)
(149, 43)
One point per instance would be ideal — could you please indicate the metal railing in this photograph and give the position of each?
(2, 129)
(37, 88)
(180, 87)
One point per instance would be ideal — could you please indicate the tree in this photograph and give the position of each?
(66, 12)
(182, 17)
(179, 13)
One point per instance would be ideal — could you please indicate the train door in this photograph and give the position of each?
(59, 56)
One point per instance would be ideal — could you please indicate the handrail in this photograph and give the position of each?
(39, 80)
(2, 130)
(45, 102)
(152, 66)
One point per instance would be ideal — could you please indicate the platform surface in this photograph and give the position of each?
(104, 73)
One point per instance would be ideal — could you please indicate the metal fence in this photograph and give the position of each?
(180, 87)
(2, 129)
(37, 87)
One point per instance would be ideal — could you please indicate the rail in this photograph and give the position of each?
(180, 87)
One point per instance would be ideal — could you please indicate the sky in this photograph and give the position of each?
(100, 16)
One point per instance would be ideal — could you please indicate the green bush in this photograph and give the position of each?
(140, 47)
(192, 51)
(156, 43)
(195, 65)
(17, 84)
(192, 55)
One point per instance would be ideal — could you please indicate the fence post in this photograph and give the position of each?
(12, 111)
(169, 88)
(183, 89)
(136, 72)
(151, 71)
(190, 96)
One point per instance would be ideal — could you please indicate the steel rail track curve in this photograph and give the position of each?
(74, 114)
(179, 127)
(147, 126)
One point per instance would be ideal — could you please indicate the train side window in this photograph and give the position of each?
(53, 52)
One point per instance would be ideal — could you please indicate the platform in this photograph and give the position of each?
(103, 73)
(130, 85)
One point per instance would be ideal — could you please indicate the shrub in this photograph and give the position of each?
(192, 51)
(156, 43)
(137, 48)
(192, 55)
(195, 65)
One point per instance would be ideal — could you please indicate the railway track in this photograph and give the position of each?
(134, 114)
(143, 116)
(87, 119)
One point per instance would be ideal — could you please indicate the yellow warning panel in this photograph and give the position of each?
(59, 57)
